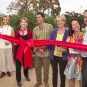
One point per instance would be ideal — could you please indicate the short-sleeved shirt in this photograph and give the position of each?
(84, 53)
(42, 33)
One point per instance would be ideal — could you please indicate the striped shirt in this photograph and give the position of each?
(42, 33)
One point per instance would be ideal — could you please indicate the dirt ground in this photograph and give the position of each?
(11, 81)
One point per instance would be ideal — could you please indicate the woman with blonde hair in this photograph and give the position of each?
(58, 54)
(6, 59)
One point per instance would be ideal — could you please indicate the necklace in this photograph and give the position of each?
(61, 32)
(78, 39)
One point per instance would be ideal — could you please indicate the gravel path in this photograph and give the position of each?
(11, 81)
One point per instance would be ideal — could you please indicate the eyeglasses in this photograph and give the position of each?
(59, 20)
(85, 16)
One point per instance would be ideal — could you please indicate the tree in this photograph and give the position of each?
(15, 21)
(45, 6)
(55, 7)
(70, 15)
(20, 6)
(51, 20)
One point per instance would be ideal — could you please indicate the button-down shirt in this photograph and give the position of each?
(84, 53)
(42, 33)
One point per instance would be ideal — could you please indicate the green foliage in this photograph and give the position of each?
(14, 21)
(70, 15)
(68, 19)
(51, 20)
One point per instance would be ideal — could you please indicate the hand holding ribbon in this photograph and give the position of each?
(24, 49)
(42, 48)
(25, 46)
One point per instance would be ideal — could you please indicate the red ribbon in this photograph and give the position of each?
(25, 46)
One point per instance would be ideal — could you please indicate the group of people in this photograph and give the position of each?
(72, 62)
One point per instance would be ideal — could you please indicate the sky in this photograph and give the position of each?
(3, 5)
(73, 5)
(66, 5)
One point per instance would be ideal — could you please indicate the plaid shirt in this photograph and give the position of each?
(42, 33)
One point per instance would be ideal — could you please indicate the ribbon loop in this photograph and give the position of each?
(25, 51)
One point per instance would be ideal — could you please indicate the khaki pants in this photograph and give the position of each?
(6, 60)
(39, 62)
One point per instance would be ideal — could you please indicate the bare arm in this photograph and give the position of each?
(12, 32)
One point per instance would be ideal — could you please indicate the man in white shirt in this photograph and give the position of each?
(84, 55)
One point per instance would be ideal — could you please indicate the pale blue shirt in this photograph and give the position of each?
(84, 53)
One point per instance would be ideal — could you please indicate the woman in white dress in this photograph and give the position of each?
(6, 59)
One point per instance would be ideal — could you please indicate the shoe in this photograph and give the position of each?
(19, 84)
(9, 74)
(2, 75)
(46, 84)
(27, 78)
(37, 84)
